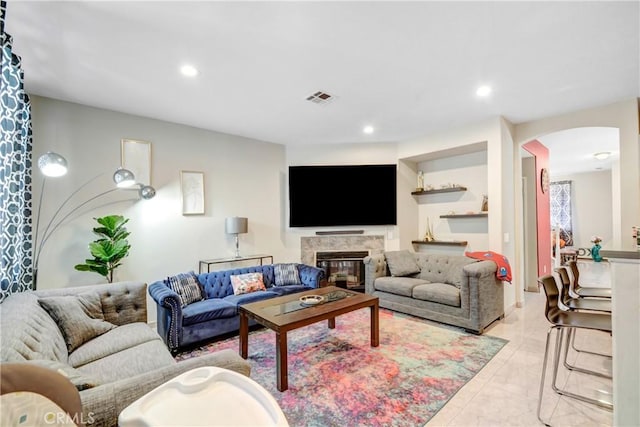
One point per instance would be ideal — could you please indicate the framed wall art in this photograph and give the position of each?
(192, 185)
(136, 157)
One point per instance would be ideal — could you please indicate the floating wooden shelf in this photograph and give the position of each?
(441, 242)
(475, 215)
(440, 190)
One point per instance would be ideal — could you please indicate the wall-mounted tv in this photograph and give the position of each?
(339, 195)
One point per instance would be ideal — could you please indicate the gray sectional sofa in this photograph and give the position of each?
(110, 370)
(455, 290)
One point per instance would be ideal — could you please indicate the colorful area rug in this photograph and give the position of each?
(337, 379)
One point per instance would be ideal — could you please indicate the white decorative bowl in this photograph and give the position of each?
(311, 299)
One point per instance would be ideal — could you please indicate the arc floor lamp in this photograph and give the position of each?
(54, 165)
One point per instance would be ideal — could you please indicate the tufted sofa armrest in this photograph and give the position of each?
(310, 276)
(374, 266)
(480, 269)
(122, 302)
(169, 314)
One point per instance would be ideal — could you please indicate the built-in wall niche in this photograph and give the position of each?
(455, 182)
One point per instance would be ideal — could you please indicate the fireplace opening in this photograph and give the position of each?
(343, 269)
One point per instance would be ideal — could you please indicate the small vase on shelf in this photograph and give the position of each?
(595, 250)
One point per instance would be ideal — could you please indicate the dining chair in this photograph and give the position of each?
(586, 291)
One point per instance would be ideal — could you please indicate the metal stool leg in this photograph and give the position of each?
(544, 373)
(571, 338)
(563, 392)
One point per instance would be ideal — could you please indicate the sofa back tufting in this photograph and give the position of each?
(442, 268)
(217, 284)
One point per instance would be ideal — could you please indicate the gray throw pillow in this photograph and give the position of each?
(402, 263)
(79, 317)
(80, 380)
(286, 274)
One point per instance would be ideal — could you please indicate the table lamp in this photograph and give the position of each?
(236, 225)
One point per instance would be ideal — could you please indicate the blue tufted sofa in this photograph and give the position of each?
(218, 313)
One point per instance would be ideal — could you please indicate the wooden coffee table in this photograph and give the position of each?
(283, 314)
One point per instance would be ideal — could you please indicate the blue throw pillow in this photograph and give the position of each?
(286, 274)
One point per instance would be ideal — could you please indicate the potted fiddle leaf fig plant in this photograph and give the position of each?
(110, 249)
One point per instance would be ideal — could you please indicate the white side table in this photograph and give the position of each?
(207, 396)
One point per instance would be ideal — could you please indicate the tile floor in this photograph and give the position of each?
(505, 392)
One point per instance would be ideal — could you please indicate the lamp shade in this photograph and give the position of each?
(52, 164)
(236, 225)
(124, 178)
(147, 192)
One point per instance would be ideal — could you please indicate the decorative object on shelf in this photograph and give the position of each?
(485, 203)
(110, 248)
(595, 250)
(429, 187)
(55, 165)
(237, 225)
(544, 180)
(192, 185)
(428, 236)
(420, 186)
(135, 156)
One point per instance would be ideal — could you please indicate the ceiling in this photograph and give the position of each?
(406, 68)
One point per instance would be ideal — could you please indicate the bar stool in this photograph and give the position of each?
(580, 304)
(600, 304)
(586, 292)
(561, 321)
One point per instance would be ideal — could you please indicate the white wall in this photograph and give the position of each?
(466, 170)
(243, 177)
(591, 199)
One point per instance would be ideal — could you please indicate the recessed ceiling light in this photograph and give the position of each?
(189, 70)
(483, 91)
(604, 155)
(368, 130)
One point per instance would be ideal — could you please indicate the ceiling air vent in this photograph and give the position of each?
(320, 98)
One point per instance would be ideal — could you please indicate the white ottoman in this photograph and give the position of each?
(206, 396)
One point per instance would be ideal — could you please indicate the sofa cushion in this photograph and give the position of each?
(80, 380)
(79, 317)
(442, 293)
(129, 362)
(115, 340)
(201, 311)
(247, 283)
(251, 297)
(402, 263)
(288, 289)
(398, 285)
(187, 287)
(286, 274)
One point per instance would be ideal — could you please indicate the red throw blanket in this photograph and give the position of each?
(504, 269)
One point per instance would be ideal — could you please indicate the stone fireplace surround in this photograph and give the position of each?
(362, 242)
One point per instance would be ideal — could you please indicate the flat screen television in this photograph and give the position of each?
(340, 195)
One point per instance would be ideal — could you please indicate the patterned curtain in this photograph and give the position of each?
(560, 195)
(15, 174)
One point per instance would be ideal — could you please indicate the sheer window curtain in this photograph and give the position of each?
(560, 196)
(15, 175)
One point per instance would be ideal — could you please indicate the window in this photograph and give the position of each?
(560, 197)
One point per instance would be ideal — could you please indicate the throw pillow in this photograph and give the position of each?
(187, 287)
(286, 274)
(402, 263)
(246, 283)
(79, 317)
(80, 380)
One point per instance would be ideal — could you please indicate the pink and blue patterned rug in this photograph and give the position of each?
(337, 379)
